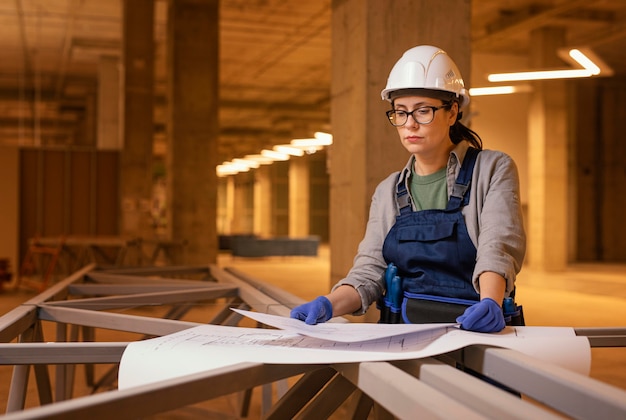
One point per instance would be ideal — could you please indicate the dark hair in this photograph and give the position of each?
(460, 132)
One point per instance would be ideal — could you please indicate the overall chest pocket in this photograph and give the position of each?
(427, 232)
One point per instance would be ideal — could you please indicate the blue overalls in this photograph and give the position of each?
(430, 257)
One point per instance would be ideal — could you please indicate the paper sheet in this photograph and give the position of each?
(209, 347)
(347, 333)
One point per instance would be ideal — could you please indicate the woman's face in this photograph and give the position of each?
(428, 141)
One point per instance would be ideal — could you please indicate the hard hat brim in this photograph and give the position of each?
(444, 95)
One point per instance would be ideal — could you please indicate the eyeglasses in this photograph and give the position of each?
(421, 115)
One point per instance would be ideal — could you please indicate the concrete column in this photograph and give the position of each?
(547, 157)
(241, 223)
(108, 114)
(262, 224)
(230, 205)
(193, 126)
(136, 157)
(299, 196)
(368, 37)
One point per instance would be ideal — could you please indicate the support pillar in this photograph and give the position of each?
(262, 224)
(548, 157)
(299, 196)
(230, 205)
(240, 222)
(193, 126)
(368, 37)
(136, 157)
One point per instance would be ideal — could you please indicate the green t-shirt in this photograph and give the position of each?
(429, 191)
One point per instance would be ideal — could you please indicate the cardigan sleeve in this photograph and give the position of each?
(494, 217)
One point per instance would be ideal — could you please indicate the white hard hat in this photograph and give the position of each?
(426, 67)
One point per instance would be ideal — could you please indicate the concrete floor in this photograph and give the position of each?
(582, 296)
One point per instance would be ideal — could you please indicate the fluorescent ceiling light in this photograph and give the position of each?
(237, 167)
(321, 139)
(498, 90)
(230, 168)
(274, 155)
(224, 170)
(324, 139)
(288, 149)
(584, 61)
(306, 143)
(592, 66)
(538, 75)
(260, 159)
(281, 152)
(247, 162)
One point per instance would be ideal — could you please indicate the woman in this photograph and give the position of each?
(444, 239)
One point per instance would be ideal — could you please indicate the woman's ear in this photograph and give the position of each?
(454, 112)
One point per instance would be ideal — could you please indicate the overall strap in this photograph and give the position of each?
(402, 195)
(460, 192)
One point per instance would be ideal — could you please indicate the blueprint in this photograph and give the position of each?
(210, 347)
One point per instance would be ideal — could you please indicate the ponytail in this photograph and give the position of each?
(459, 132)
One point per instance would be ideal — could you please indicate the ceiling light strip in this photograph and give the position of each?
(590, 68)
(281, 152)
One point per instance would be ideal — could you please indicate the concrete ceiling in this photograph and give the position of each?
(274, 58)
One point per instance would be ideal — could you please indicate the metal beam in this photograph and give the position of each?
(111, 321)
(128, 289)
(255, 298)
(61, 353)
(300, 394)
(141, 299)
(604, 337)
(471, 391)
(137, 273)
(270, 290)
(402, 394)
(16, 322)
(568, 392)
(141, 401)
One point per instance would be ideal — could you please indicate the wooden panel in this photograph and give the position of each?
(28, 207)
(53, 194)
(60, 194)
(600, 176)
(78, 213)
(587, 141)
(107, 188)
(614, 177)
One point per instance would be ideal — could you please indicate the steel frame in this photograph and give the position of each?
(431, 387)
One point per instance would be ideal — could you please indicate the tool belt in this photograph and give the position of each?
(420, 309)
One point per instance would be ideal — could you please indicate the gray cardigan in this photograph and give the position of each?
(493, 218)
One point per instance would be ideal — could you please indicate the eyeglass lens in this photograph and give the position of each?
(422, 115)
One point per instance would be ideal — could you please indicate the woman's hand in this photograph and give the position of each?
(485, 316)
(316, 311)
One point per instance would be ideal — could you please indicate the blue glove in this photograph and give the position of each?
(318, 310)
(485, 316)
